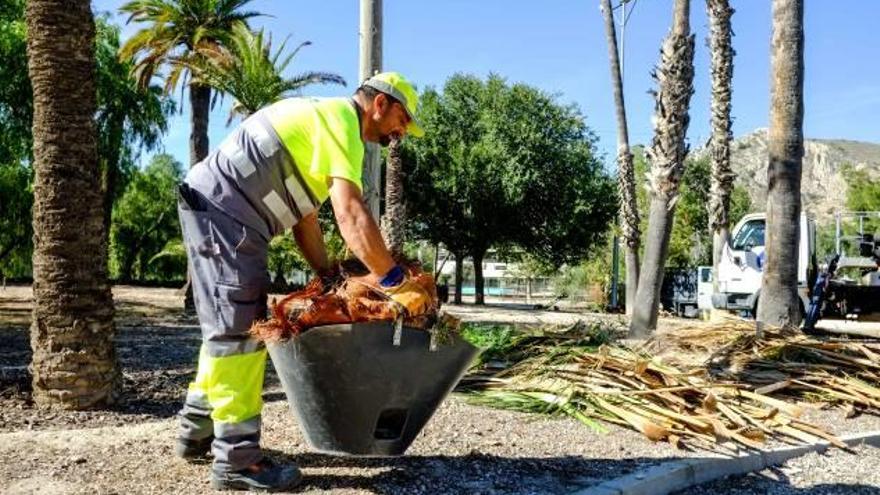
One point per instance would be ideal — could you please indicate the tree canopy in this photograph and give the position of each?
(250, 72)
(175, 29)
(505, 165)
(129, 119)
(145, 220)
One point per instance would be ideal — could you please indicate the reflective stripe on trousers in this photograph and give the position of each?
(227, 263)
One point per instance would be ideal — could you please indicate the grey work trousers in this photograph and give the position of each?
(228, 268)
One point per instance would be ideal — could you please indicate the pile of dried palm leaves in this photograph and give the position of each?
(782, 362)
(716, 394)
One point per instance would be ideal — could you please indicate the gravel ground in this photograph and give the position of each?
(127, 449)
(834, 473)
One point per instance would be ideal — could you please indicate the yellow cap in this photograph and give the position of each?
(395, 85)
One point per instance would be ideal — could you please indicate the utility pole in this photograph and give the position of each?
(371, 64)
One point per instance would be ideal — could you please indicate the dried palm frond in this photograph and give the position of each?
(698, 405)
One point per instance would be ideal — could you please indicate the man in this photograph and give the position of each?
(270, 175)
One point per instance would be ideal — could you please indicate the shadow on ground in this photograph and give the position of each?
(472, 473)
(157, 359)
(777, 482)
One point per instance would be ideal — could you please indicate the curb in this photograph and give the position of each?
(678, 475)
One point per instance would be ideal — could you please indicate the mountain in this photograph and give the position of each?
(823, 187)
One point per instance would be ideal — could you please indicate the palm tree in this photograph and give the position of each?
(778, 304)
(667, 154)
(177, 29)
(721, 51)
(393, 222)
(629, 212)
(247, 70)
(74, 361)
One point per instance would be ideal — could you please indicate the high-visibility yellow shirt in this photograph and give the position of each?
(324, 138)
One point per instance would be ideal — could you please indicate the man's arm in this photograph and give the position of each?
(310, 240)
(358, 228)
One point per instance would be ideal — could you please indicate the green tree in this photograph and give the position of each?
(130, 117)
(505, 165)
(247, 70)
(175, 30)
(16, 107)
(863, 193)
(16, 200)
(284, 256)
(145, 220)
(16, 113)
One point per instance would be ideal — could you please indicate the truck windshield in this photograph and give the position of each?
(750, 235)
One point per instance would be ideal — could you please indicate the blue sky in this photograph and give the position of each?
(559, 46)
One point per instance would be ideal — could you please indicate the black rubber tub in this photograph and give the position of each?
(360, 389)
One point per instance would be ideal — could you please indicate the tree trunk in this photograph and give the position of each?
(721, 51)
(479, 296)
(200, 104)
(668, 150)
(459, 278)
(394, 220)
(74, 360)
(778, 303)
(629, 213)
(370, 64)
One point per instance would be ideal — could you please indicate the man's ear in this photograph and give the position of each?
(380, 102)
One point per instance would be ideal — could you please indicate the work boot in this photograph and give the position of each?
(264, 476)
(193, 450)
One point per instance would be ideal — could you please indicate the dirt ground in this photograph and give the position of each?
(128, 448)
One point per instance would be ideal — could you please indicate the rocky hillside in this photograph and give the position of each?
(823, 187)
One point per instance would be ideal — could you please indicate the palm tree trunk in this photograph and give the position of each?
(200, 105)
(394, 220)
(778, 304)
(674, 77)
(629, 213)
(74, 360)
(721, 52)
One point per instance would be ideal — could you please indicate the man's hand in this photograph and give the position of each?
(411, 296)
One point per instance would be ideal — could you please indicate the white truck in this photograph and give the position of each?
(851, 284)
(740, 268)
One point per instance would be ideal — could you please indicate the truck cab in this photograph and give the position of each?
(740, 269)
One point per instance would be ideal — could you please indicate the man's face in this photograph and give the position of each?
(389, 119)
